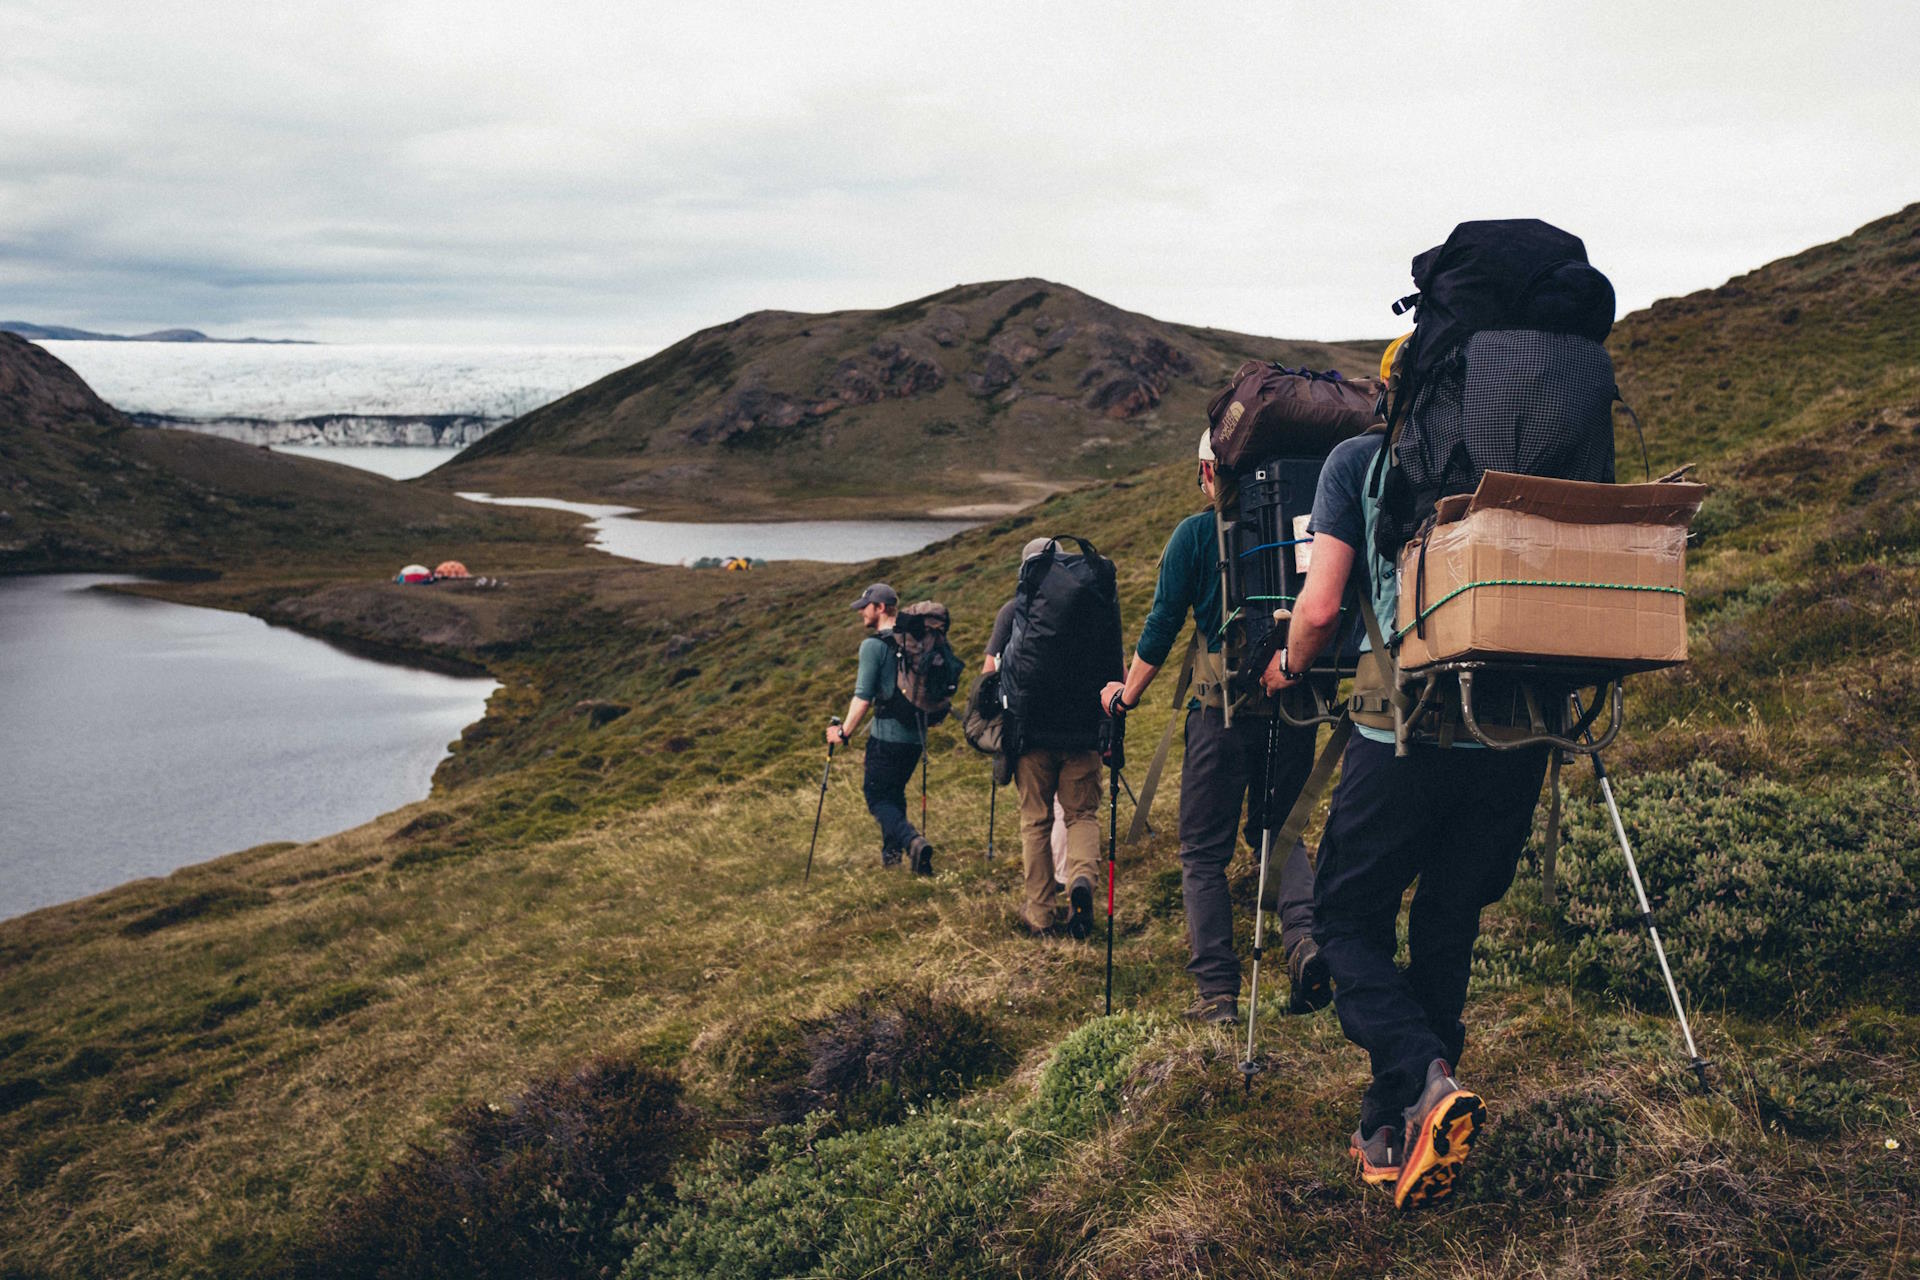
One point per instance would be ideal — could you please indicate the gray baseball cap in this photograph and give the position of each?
(879, 593)
(1033, 549)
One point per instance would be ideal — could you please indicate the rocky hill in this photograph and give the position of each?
(82, 487)
(981, 396)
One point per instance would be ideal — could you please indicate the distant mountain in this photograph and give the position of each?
(82, 487)
(983, 395)
(61, 333)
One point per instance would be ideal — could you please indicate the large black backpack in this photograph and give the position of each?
(1064, 647)
(1505, 371)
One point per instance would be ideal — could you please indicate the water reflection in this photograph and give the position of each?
(140, 736)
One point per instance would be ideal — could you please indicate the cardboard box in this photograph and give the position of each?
(1482, 575)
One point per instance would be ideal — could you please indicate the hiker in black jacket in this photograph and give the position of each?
(1221, 773)
(1044, 774)
(1455, 818)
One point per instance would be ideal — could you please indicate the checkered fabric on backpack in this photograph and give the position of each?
(1520, 400)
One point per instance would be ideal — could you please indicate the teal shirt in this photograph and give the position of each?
(876, 683)
(1189, 581)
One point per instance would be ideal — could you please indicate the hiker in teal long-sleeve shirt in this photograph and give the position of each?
(894, 746)
(1220, 765)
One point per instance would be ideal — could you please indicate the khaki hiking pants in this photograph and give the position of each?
(1073, 777)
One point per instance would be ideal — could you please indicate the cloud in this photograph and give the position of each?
(441, 171)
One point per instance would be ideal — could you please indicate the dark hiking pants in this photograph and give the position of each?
(1222, 773)
(890, 767)
(1455, 820)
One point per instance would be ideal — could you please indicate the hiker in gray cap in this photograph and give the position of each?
(893, 747)
(1058, 789)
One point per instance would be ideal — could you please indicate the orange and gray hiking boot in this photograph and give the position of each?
(1439, 1133)
(1378, 1158)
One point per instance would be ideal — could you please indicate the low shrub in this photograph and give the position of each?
(1768, 898)
(1558, 1148)
(1819, 1098)
(526, 1191)
(886, 1052)
(908, 1199)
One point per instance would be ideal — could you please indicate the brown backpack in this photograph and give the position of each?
(926, 670)
(1270, 411)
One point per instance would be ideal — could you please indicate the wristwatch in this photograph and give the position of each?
(1285, 671)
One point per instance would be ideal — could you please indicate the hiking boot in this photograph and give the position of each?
(1080, 923)
(1219, 1010)
(1378, 1158)
(1439, 1131)
(922, 854)
(1310, 985)
(889, 857)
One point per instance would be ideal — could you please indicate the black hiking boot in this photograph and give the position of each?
(889, 857)
(1080, 923)
(1310, 985)
(1221, 1010)
(1439, 1133)
(922, 856)
(1377, 1158)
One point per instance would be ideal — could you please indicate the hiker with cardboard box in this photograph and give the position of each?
(1483, 543)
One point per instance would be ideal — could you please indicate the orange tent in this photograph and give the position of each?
(451, 569)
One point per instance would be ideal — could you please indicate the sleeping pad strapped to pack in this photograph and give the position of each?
(1065, 646)
(1505, 371)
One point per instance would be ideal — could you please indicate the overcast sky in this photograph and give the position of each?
(558, 172)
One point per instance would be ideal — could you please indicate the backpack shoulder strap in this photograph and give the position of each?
(1143, 804)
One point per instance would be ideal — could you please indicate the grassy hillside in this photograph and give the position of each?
(983, 396)
(82, 487)
(456, 1040)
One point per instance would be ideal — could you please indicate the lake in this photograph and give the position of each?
(140, 736)
(679, 542)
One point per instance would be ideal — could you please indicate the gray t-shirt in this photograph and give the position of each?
(1341, 509)
(1002, 629)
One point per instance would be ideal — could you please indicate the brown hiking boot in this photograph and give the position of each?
(922, 855)
(1440, 1129)
(1378, 1158)
(1221, 1009)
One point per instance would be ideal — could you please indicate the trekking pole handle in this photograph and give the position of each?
(833, 722)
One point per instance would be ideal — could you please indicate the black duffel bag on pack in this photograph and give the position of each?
(1505, 371)
(1065, 646)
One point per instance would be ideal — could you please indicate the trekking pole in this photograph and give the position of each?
(1249, 1068)
(1697, 1063)
(1113, 841)
(923, 775)
(993, 797)
(822, 806)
